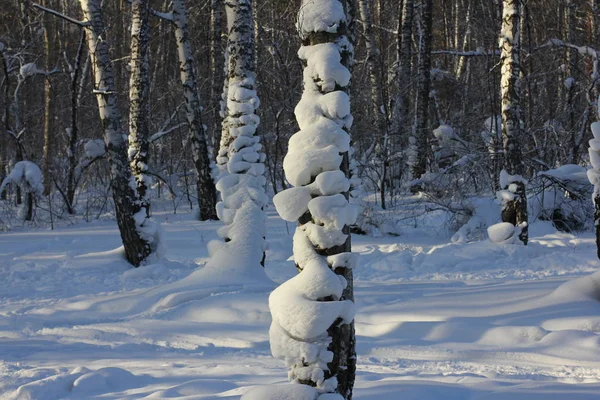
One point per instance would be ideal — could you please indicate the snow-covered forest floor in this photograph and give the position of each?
(434, 320)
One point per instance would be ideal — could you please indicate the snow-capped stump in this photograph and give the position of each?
(503, 232)
(312, 313)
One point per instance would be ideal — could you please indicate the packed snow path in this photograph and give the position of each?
(434, 320)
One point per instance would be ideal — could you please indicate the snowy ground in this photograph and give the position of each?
(435, 320)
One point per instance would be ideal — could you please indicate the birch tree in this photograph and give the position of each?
(216, 68)
(241, 181)
(512, 195)
(423, 81)
(139, 234)
(313, 313)
(380, 127)
(205, 187)
(139, 110)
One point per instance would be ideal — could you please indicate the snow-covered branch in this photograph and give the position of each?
(165, 132)
(82, 24)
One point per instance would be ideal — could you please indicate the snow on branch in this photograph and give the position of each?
(479, 52)
(82, 24)
(583, 50)
(26, 174)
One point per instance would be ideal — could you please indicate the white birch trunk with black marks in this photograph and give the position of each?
(139, 233)
(205, 187)
(514, 208)
(139, 108)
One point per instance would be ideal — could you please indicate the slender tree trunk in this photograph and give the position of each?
(423, 81)
(205, 187)
(127, 206)
(139, 107)
(216, 69)
(76, 90)
(570, 82)
(400, 124)
(49, 113)
(460, 68)
(515, 210)
(373, 59)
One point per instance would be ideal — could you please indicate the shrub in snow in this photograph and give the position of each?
(561, 196)
(28, 176)
(313, 312)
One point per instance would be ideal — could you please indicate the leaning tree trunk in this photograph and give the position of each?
(138, 237)
(139, 106)
(318, 343)
(423, 83)
(514, 208)
(205, 187)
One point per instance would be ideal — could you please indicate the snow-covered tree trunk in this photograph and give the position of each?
(594, 177)
(423, 82)
(205, 187)
(241, 181)
(139, 233)
(514, 208)
(313, 313)
(139, 107)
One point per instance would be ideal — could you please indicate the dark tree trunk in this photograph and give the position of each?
(423, 81)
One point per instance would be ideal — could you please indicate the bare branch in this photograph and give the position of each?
(60, 15)
(471, 53)
(162, 133)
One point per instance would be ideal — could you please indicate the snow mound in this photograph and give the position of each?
(288, 392)
(585, 287)
(503, 232)
(81, 382)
